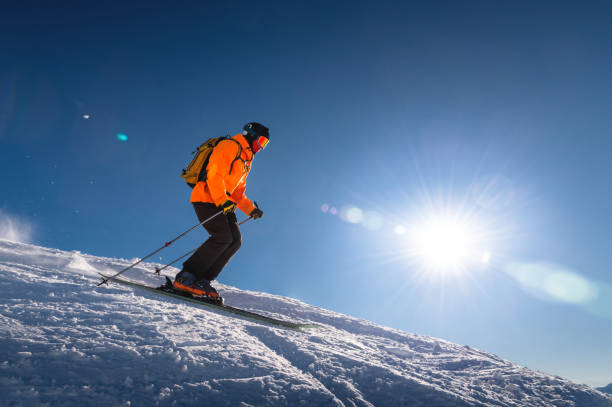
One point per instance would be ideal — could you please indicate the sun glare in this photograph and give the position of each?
(445, 244)
(437, 238)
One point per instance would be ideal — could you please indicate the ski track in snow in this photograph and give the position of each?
(66, 342)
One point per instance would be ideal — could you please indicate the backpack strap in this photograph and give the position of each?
(203, 171)
(238, 156)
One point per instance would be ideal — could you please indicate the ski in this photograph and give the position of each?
(168, 291)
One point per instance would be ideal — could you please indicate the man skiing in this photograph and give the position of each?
(222, 190)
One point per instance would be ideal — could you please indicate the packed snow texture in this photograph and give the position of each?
(66, 342)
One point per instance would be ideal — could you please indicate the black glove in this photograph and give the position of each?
(227, 207)
(256, 213)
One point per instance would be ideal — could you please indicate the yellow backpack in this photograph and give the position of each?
(196, 170)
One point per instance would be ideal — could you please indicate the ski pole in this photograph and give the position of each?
(105, 279)
(250, 217)
(246, 220)
(158, 270)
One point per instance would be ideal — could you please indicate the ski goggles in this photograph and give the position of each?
(260, 143)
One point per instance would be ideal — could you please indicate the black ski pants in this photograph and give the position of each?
(224, 241)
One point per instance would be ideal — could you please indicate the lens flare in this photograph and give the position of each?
(553, 282)
(352, 214)
(373, 221)
(399, 230)
(122, 137)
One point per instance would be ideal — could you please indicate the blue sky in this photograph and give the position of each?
(391, 113)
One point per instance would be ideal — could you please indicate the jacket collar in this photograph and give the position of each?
(246, 148)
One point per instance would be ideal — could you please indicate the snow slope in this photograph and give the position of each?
(64, 342)
(606, 389)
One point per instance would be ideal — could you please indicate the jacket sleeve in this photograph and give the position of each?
(242, 202)
(218, 168)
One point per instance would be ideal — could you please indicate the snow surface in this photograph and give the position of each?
(65, 342)
(606, 389)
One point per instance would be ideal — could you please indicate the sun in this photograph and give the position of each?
(445, 244)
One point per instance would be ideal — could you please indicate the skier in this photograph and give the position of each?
(223, 190)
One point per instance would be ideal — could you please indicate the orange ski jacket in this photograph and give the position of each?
(226, 175)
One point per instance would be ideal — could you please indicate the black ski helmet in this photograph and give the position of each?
(253, 130)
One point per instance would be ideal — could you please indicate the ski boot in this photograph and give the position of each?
(201, 289)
